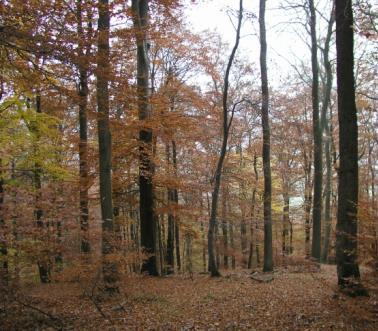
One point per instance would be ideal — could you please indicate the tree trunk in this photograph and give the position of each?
(317, 132)
(171, 221)
(253, 213)
(110, 272)
(4, 271)
(286, 221)
(43, 262)
(176, 201)
(83, 128)
(307, 207)
(268, 247)
(146, 167)
(346, 230)
(327, 87)
(224, 229)
(218, 172)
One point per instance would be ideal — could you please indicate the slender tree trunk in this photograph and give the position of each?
(4, 271)
(327, 87)
(146, 167)
(188, 254)
(43, 261)
(224, 229)
(243, 223)
(346, 230)
(328, 190)
(286, 221)
(307, 206)
(176, 201)
(232, 239)
(110, 272)
(218, 172)
(268, 247)
(83, 128)
(171, 221)
(317, 132)
(253, 213)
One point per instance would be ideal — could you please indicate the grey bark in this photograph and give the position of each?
(317, 132)
(346, 230)
(109, 268)
(146, 167)
(213, 268)
(268, 246)
(83, 132)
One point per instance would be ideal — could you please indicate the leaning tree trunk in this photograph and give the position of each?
(110, 272)
(317, 132)
(268, 247)
(346, 230)
(213, 268)
(146, 167)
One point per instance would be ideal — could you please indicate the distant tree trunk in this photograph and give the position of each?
(188, 253)
(286, 221)
(317, 132)
(44, 265)
(268, 247)
(83, 128)
(171, 220)
(327, 87)
(243, 223)
(291, 229)
(203, 247)
(328, 191)
(346, 230)
(224, 228)
(232, 238)
(146, 167)
(4, 271)
(307, 206)
(218, 172)
(253, 214)
(176, 201)
(110, 272)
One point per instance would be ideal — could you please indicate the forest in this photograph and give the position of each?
(156, 176)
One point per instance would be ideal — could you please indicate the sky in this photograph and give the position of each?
(285, 47)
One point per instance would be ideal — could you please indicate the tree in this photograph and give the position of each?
(317, 132)
(348, 273)
(104, 141)
(268, 248)
(213, 268)
(326, 125)
(146, 195)
(83, 91)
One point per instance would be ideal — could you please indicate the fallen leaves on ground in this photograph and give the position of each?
(291, 301)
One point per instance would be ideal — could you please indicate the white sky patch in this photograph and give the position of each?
(285, 46)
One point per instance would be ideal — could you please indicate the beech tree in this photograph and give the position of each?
(346, 236)
(213, 268)
(104, 141)
(147, 216)
(268, 249)
(318, 147)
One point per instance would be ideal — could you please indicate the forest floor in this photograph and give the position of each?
(295, 299)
